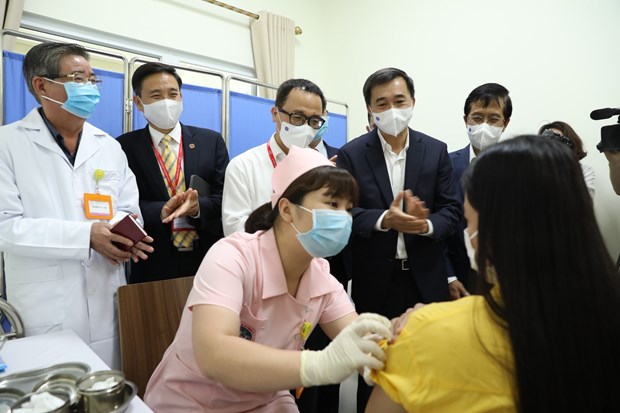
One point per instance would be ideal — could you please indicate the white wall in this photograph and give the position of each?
(558, 58)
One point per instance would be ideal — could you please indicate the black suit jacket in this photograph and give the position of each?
(458, 261)
(204, 154)
(428, 174)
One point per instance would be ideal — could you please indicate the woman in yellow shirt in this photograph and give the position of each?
(544, 336)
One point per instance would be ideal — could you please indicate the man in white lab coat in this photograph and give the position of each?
(61, 181)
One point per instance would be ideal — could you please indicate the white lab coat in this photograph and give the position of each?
(53, 278)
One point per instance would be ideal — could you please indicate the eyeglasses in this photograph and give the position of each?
(493, 120)
(556, 136)
(298, 119)
(76, 77)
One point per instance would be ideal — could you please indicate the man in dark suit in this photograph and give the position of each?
(164, 156)
(407, 206)
(487, 113)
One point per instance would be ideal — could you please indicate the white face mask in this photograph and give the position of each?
(164, 113)
(484, 135)
(471, 251)
(300, 136)
(393, 121)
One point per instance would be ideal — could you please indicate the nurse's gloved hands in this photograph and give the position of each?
(348, 352)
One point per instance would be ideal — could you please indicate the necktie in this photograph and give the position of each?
(180, 239)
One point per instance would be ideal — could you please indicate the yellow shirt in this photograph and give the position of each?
(451, 357)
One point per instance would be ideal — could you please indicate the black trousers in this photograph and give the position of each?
(402, 294)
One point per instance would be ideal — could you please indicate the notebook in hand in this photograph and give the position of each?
(128, 227)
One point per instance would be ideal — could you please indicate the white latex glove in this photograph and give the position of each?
(348, 352)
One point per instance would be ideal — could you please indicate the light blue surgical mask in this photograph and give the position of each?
(322, 130)
(82, 98)
(329, 234)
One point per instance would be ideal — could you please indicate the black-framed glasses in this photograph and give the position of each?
(76, 77)
(558, 137)
(299, 119)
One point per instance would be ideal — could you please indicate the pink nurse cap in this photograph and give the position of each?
(295, 164)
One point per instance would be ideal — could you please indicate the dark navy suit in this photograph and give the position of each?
(205, 155)
(458, 262)
(428, 174)
(379, 285)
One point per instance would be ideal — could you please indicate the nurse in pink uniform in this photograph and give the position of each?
(258, 295)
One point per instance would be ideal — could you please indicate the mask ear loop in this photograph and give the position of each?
(49, 98)
(307, 210)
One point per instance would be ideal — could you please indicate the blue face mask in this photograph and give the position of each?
(82, 98)
(329, 234)
(321, 131)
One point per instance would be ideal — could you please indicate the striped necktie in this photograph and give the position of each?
(180, 239)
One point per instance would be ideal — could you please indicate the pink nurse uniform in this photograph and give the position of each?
(243, 273)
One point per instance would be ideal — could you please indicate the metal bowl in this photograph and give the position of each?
(101, 400)
(62, 383)
(8, 397)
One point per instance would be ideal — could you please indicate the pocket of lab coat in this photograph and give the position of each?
(109, 184)
(37, 294)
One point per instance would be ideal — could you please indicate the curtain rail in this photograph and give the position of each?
(255, 16)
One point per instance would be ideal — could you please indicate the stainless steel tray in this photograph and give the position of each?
(8, 397)
(27, 380)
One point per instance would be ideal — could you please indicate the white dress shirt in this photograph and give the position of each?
(396, 165)
(175, 134)
(247, 184)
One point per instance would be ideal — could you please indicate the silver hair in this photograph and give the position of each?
(44, 59)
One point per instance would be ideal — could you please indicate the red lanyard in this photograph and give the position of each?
(164, 170)
(270, 152)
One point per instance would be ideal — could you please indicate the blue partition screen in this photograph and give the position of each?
(251, 124)
(336, 134)
(250, 116)
(18, 101)
(202, 107)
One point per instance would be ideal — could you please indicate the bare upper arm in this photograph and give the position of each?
(379, 402)
(209, 324)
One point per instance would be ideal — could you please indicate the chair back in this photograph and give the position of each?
(148, 316)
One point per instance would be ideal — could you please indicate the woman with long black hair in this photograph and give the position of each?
(545, 334)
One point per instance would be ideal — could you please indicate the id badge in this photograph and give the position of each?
(181, 224)
(97, 206)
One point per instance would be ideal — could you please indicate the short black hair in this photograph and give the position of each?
(487, 93)
(149, 69)
(383, 76)
(302, 84)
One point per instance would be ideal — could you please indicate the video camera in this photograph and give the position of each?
(610, 134)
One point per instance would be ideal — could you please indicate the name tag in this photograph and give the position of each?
(97, 206)
(181, 224)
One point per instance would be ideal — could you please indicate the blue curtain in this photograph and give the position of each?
(251, 124)
(336, 134)
(202, 107)
(250, 116)
(18, 101)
